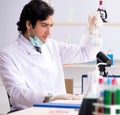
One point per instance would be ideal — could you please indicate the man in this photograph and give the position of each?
(31, 66)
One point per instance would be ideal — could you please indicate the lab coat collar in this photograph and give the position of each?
(26, 45)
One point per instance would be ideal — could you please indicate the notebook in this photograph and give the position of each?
(70, 104)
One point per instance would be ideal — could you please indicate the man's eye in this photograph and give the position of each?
(51, 25)
(44, 25)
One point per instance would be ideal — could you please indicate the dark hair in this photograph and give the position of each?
(33, 11)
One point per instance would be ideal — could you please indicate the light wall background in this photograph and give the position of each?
(65, 11)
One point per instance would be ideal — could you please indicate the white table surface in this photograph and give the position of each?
(45, 111)
(50, 111)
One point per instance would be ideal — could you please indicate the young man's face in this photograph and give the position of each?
(42, 29)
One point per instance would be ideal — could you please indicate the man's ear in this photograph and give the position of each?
(28, 25)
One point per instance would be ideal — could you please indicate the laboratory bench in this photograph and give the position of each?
(56, 110)
(45, 111)
(76, 71)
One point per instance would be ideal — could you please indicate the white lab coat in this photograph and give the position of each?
(29, 76)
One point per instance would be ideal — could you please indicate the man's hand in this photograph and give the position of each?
(64, 97)
(94, 23)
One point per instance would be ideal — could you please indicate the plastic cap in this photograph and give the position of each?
(101, 2)
(100, 80)
(113, 81)
(109, 81)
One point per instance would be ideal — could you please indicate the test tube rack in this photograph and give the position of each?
(112, 108)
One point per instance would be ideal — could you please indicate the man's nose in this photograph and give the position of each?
(48, 30)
